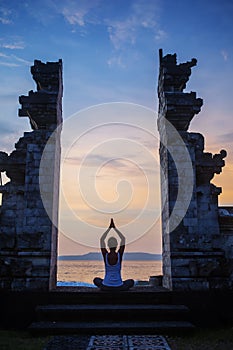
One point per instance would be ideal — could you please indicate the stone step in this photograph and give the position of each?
(114, 312)
(121, 327)
(98, 297)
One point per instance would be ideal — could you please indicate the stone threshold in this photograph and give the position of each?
(96, 290)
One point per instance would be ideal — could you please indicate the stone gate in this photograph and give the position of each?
(197, 240)
(28, 238)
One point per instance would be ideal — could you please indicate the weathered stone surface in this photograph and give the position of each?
(34, 240)
(5, 268)
(37, 283)
(195, 254)
(192, 284)
(7, 240)
(44, 106)
(179, 107)
(174, 77)
(27, 235)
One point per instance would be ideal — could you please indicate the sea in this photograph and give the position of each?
(82, 272)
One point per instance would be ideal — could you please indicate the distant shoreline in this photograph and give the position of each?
(127, 256)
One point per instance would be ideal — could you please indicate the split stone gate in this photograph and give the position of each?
(28, 238)
(197, 236)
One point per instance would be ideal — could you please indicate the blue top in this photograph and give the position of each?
(113, 273)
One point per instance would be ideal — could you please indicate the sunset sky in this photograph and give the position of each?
(110, 60)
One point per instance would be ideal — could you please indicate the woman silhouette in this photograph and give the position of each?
(112, 261)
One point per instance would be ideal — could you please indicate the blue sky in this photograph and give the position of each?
(110, 54)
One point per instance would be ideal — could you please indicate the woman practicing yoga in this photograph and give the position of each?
(112, 260)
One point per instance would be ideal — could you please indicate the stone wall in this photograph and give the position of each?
(28, 236)
(196, 253)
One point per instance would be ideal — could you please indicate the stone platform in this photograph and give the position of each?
(206, 308)
(115, 313)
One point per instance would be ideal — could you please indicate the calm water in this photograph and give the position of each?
(85, 271)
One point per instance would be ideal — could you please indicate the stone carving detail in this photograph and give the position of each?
(179, 107)
(173, 77)
(207, 165)
(14, 165)
(41, 106)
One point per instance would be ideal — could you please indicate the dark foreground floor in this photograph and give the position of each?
(108, 342)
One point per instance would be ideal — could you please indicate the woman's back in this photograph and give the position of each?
(112, 257)
(112, 270)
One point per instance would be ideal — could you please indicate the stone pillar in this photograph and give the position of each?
(28, 236)
(193, 256)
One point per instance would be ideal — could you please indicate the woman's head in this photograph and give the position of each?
(112, 243)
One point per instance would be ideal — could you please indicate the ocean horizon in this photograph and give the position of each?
(140, 256)
(82, 272)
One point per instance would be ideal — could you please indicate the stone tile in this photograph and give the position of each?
(108, 342)
(147, 342)
(130, 342)
(62, 342)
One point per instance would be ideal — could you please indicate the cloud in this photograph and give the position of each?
(122, 32)
(5, 130)
(142, 21)
(13, 46)
(143, 16)
(160, 35)
(116, 61)
(131, 165)
(5, 20)
(96, 160)
(8, 138)
(224, 54)
(9, 64)
(225, 138)
(13, 61)
(19, 59)
(5, 15)
(12, 43)
(77, 13)
(76, 17)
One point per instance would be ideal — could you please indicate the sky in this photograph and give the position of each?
(109, 51)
